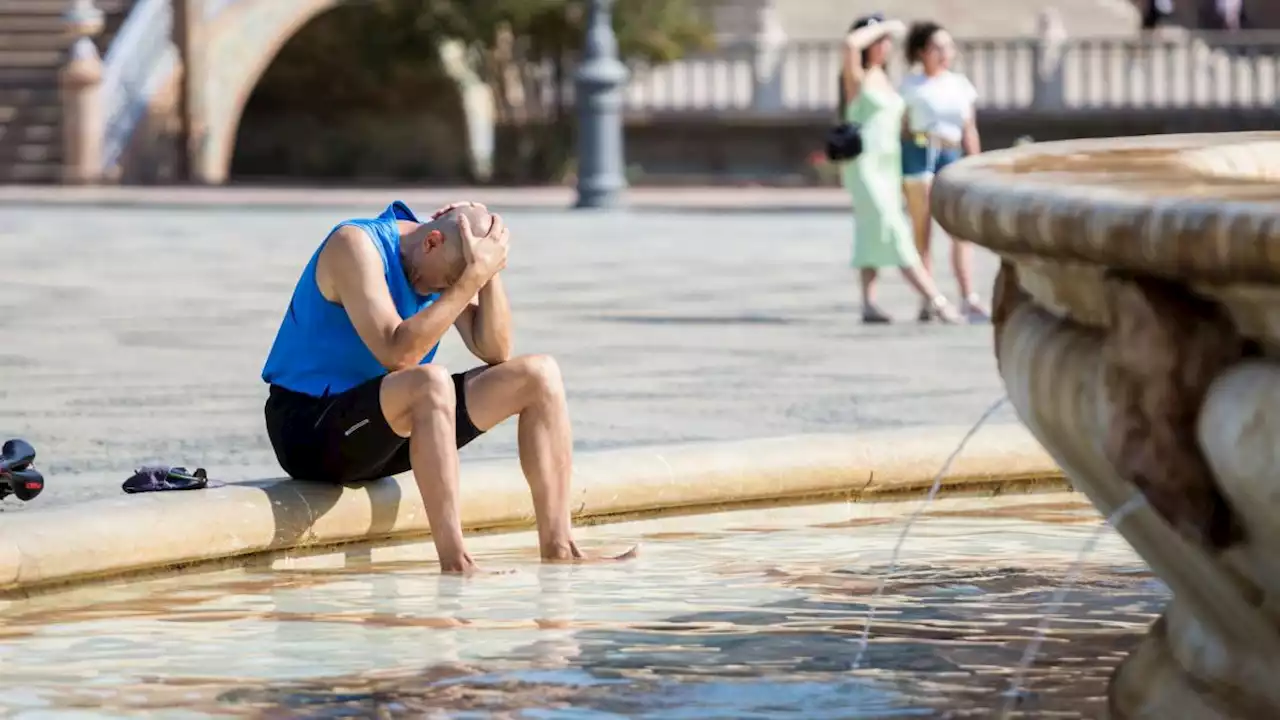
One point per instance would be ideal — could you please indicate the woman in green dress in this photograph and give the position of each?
(882, 237)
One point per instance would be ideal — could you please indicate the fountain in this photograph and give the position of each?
(1137, 329)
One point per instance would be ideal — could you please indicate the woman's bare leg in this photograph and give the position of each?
(867, 278)
(871, 313)
(917, 193)
(962, 264)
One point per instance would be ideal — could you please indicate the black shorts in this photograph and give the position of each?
(345, 438)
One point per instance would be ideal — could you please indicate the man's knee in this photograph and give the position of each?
(532, 378)
(542, 375)
(431, 389)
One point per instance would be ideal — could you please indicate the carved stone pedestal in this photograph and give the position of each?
(1137, 329)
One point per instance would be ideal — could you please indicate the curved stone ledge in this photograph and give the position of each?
(1186, 207)
(161, 531)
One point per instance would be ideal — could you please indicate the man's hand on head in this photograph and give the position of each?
(486, 253)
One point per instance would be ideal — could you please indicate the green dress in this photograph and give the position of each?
(882, 232)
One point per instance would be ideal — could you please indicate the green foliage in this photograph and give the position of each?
(648, 30)
(659, 31)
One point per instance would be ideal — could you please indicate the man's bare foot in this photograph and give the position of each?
(631, 554)
(474, 570)
(467, 567)
(571, 554)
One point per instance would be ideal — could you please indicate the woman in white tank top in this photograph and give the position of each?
(939, 129)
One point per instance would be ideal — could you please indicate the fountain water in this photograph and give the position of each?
(864, 639)
(1014, 694)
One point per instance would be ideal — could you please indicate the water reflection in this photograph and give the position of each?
(947, 652)
(753, 615)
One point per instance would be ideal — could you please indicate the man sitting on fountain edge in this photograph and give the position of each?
(354, 395)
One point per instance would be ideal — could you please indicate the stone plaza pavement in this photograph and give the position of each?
(135, 334)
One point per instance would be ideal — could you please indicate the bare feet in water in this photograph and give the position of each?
(467, 567)
(572, 554)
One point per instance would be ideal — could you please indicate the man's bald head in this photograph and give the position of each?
(440, 259)
(448, 224)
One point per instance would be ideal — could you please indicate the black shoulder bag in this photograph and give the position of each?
(844, 141)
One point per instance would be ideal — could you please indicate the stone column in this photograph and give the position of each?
(600, 78)
(770, 42)
(80, 87)
(1049, 91)
(477, 106)
(187, 16)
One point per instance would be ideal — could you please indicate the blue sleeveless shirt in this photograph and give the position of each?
(317, 351)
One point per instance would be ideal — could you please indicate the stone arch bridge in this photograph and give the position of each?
(228, 45)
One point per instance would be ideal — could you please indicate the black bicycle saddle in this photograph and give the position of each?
(17, 476)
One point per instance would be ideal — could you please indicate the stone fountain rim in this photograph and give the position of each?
(1177, 212)
(157, 534)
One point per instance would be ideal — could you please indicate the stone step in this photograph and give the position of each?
(23, 41)
(38, 10)
(12, 101)
(39, 114)
(45, 8)
(29, 96)
(33, 48)
(35, 152)
(18, 59)
(29, 134)
(29, 173)
(16, 77)
(50, 24)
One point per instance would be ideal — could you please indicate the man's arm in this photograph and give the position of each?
(485, 326)
(350, 272)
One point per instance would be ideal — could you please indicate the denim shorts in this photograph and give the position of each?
(926, 160)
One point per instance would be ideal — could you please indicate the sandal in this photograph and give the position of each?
(973, 310)
(872, 315)
(927, 313)
(945, 313)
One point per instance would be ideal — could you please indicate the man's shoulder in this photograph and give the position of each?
(352, 245)
(351, 237)
(349, 232)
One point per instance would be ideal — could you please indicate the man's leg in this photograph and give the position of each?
(530, 386)
(418, 403)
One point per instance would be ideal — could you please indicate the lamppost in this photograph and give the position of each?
(600, 78)
(80, 89)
